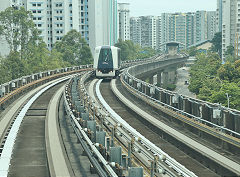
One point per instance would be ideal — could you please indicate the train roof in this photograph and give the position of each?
(105, 47)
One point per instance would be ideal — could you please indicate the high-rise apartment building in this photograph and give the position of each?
(200, 26)
(54, 18)
(103, 22)
(190, 29)
(124, 21)
(145, 31)
(230, 25)
(135, 28)
(205, 25)
(219, 15)
(211, 24)
(158, 33)
(178, 27)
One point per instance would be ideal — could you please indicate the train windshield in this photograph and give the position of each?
(105, 59)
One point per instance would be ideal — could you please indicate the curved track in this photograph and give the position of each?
(24, 141)
(57, 160)
(31, 140)
(152, 133)
(220, 161)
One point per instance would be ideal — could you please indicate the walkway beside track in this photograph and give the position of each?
(57, 160)
(29, 156)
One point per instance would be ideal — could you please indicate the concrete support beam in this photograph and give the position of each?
(171, 76)
(159, 78)
(165, 78)
(151, 80)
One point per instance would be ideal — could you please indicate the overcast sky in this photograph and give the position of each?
(156, 7)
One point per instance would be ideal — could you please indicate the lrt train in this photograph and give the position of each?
(107, 62)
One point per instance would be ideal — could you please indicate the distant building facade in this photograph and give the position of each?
(185, 28)
(135, 28)
(103, 23)
(146, 31)
(124, 21)
(178, 27)
(219, 15)
(205, 25)
(54, 18)
(230, 25)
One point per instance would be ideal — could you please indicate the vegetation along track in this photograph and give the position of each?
(152, 134)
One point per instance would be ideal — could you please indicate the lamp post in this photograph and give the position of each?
(228, 99)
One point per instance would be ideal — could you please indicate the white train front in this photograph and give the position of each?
(107, 61)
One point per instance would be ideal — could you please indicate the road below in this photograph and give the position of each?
(182, 88)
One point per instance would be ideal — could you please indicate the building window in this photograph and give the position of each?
(34, 5)
(70, 18)
(34, 18)
(39, 25)
(70, 5)
(39, 18)
(39, 5)
(61, 18)
(39, 11)
(34, 11)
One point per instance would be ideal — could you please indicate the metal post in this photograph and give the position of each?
(152, 169)
(228, 99)
(112, 139)
(129, 154)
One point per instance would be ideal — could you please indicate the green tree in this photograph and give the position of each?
(217, 43)
(131, 51)
(15, 65)
(227, 72)
(230, 50)
(74, 49)
(233, 90)
(204, 68)
(17, 28)
(211, 80)
(5, 73)
(128, 49)
(192, 51)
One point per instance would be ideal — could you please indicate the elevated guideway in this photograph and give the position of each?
(209, 121)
